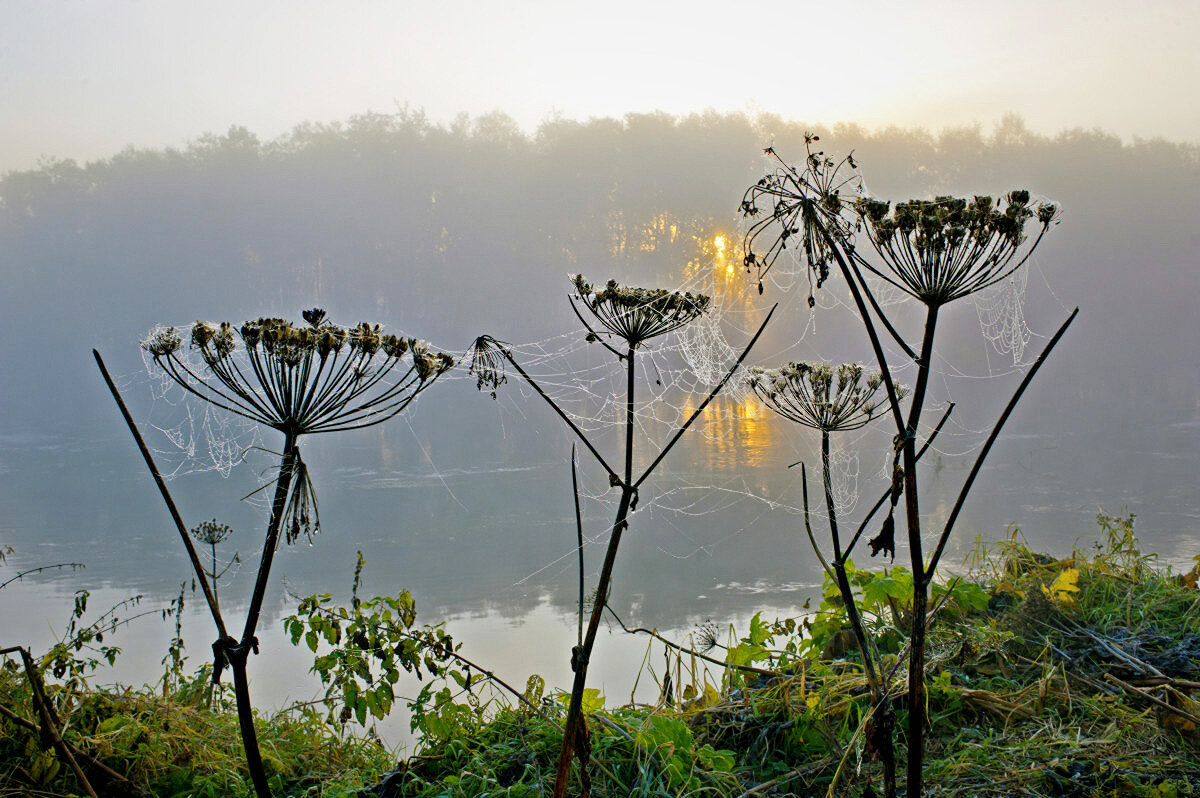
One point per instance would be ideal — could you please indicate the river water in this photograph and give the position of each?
(476, 519)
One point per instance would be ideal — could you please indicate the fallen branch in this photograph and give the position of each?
(1158, 702)
(685, 650)
(79, 753)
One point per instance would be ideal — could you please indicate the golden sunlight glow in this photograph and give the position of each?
(628, 237)
(735, 434)
(719, 257)
(750, 408)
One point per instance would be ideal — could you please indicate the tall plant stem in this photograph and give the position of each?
(287, 467)
(237, 655)
(575, 724)
(843, 580)
(225, 650)
(851, 277)
(209, 592)
(579, 542)
(576, 730)
(216, 592)
(907, 434)
(884, 742)
(920, 589)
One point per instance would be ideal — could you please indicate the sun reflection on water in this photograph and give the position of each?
(733, 434)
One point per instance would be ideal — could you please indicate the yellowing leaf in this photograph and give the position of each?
(1063, 586)
(592, 700)
(706, 699)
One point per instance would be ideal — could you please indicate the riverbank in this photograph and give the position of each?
(1075, 676)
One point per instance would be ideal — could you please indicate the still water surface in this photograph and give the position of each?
(479, 526)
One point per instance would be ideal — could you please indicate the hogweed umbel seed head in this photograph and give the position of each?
(942, 249)
(637, 314)
(818, 395)
(162, 341)
(211, 533)
(806, 204)
(487, 364)
(300, 379)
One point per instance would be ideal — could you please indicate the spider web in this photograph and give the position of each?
(674, 373)
(1001, 311)
(193, 436)
(843, 479)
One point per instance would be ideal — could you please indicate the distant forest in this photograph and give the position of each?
(449, 231)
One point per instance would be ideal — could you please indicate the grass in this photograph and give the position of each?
(1046, 676)
(185, 743)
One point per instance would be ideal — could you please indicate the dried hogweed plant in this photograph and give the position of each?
(211, 534)
(936, 251)
(623, 320)
(942, 249)
(299, 379)
(635, 315)
(831, 400)
(810, 395)
(802, 204)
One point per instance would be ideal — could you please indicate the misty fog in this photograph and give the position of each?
(447, 232)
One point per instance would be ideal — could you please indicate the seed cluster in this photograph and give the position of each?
(300, 378)
(638, 314)
(818, 395)
(804, 203)
(941, 249)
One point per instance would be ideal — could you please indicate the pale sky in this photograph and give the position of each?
(82, 79)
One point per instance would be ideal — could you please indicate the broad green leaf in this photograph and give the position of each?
(760, 631)
(745, 654)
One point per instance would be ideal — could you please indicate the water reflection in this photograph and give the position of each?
(487, 537)
(736, 436)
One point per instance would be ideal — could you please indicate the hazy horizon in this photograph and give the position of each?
(756, 118)
(83, 81)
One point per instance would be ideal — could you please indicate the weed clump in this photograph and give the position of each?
(1019, 704)
(1096, 694)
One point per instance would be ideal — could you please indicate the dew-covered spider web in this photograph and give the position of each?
(1001, 311)
(843, 479)
(192, 436)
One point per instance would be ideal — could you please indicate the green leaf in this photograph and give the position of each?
(746, 654)
(721, 761)
(760, 630)
(372, 703)
(311, 639)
